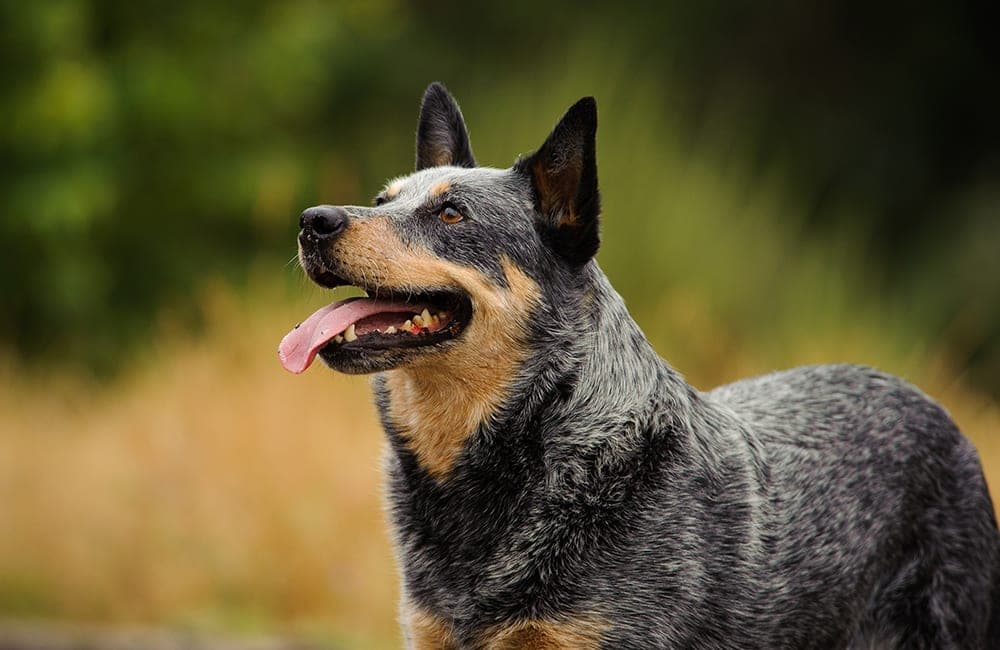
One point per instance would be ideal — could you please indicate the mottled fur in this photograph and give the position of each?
(600, 500)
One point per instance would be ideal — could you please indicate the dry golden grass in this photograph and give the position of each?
(210, 489)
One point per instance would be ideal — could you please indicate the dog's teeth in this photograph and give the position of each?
(418, 319)
(390, 330)
(442, 316)
(350, 334)
(338, 338)
(408, 325)
(426, 315)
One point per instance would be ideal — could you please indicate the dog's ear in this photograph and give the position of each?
(442, 138)
(563, 174)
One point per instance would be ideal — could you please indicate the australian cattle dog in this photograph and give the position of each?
(553, 483)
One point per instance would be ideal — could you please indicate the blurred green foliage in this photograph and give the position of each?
(794, 165)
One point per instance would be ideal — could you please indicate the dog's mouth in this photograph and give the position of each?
(374, 333)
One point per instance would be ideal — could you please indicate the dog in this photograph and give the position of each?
(553, 483)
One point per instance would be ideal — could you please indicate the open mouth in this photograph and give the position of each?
(363, 329)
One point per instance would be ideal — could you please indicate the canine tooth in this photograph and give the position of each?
(338, 338)
(418, 320)
(426, 315)
(350, 334)
(390, 330)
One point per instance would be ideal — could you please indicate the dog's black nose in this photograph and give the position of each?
(323, 220)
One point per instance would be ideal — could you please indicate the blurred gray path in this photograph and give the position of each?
(32, 636)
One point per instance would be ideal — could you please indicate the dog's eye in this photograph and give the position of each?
(449, 214)
(380, 199)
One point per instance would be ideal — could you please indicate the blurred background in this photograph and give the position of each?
(784, 183)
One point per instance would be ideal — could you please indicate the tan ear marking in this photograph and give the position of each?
(556, 191)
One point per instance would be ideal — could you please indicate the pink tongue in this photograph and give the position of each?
(298, 349)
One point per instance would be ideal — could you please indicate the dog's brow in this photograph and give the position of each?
(393, 189)
(389, 192)
(440, 188)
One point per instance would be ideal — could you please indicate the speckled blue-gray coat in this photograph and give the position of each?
(553, 483)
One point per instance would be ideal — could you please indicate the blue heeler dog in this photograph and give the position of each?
(553, 483)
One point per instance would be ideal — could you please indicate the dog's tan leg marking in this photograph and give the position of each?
(425, 631)
(428, 632)
(439, 401)
(572, 634)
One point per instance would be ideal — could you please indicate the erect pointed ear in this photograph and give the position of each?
(441, 135)
(563, 174)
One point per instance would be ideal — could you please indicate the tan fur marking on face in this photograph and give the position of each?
(437, 402)
(394, 189)
(440, 402)
(571, 634)
(440, 188)
(428, 632)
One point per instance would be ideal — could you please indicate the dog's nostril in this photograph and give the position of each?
(324, 220)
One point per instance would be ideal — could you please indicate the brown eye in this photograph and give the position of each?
(450, 215)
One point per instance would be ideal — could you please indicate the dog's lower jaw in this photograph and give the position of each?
(362, 362)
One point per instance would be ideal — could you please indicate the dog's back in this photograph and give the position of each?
(878, 510)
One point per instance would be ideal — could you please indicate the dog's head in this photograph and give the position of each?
(453, 256)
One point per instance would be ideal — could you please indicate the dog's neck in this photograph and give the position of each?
(617, 368)
(618, 381)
